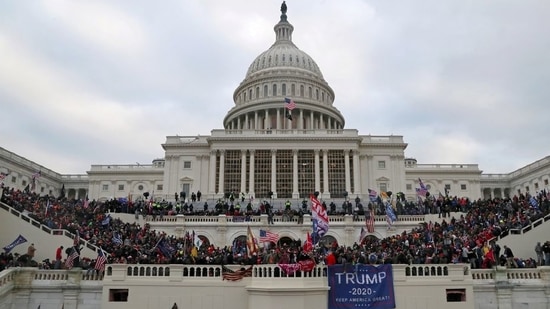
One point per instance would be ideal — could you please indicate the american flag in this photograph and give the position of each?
(422, 190)
(3, 176)
(369, 220)
(290, 105)
(373, 195)
(70, 260)
(267, 236)
(37, 175)
(100, 261)
(235, 275)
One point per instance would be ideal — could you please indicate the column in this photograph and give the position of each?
(278, 122)
(246, 122)
(243, 171)
(326, 193)
(295, 193)
(267, 124)
(311, 120)
(356, 168)
(370, 182)
(212, 177)
(347, 171)
(251, 178)
(256, 120)
(274, 172)
(238, 122)
(222, 172)
(317, 171)
(301, 120)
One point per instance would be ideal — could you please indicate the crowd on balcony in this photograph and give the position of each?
(464, 239)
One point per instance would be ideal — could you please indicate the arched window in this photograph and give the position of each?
(293, 90)
(265, 91)
(310, 90)
(317, 94)
(283, 89)
(250, 94)
(274, 92)
(257, 92)
(301, 90)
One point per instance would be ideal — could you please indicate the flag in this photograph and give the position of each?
(235, 275)
(86, 203)
(48, 205)
(19, 240)
(250, 242)
(319, 218)
(362, 235)
(76, 240)
(369, 221)
(3, 176)
(288, 115)
(390, 215)
(100, 261)
(533, 202)
(373, 195)
(70, 260)
(116, 239)
(422, 190)
(106, 220)
(290, 105)
(34, 177)
(197, 241)
(165, 248)
(308, 245)
(267, 236)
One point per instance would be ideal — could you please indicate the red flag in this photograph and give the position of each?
(308, 245)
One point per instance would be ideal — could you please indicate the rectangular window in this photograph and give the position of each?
(456, 295)
(105, 187)
(381, 164)
(527, 189)
(120, 187)
(42, 190)
(14, 179)
(159, 187)
(409, 187)
(187, 164)
(118, 295)
(546, 182)
(383, 187)
(447, 187)
(24, 183)
(536, 185)
(463, 187)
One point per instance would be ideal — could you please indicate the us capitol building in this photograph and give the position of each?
(266, 150)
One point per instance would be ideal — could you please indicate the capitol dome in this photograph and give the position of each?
(283, 72)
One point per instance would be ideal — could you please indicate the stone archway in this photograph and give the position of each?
(328, 241)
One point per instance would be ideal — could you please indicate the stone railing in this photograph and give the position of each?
(36, 224)
(511, 275)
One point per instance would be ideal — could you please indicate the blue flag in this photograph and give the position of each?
(19, 240)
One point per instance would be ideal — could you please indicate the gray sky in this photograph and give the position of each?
(104, 82)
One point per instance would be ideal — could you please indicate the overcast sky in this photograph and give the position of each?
(104, 82)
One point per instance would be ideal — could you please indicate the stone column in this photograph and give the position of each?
(311, 120)
(238, 123)
(274, 172)
(326, 193)
(251, 179)
(222, 172)
(301, 120)
(212, 177)
(356, 168)
(317, 171)
(267, 124)
(243, 171)
(256, 120)
(246, 122)
(278, 122)
(295, 193)
(347, 171)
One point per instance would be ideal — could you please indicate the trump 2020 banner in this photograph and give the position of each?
(361, 286)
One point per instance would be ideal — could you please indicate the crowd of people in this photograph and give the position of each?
(465, 239)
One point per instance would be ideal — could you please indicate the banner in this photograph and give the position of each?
(19, 240)
(361, 286)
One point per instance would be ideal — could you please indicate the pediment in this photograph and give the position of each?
(186, 178)
(382, 179)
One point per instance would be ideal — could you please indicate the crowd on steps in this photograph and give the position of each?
(468, 238)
